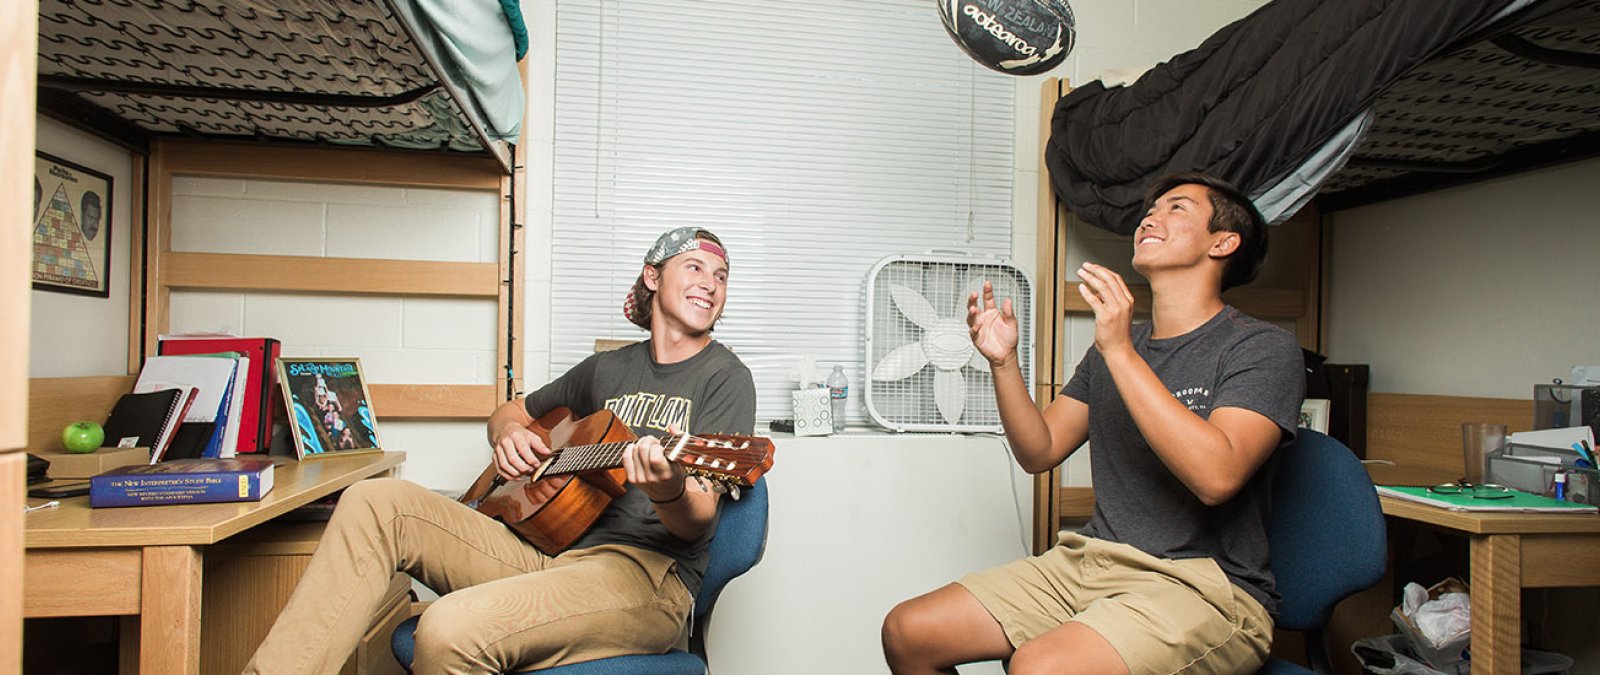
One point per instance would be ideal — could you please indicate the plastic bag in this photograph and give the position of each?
(1384, 655)
(1441, 619)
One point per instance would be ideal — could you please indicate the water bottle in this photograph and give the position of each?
(838, 390)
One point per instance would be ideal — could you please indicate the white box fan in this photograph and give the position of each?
(923, 374)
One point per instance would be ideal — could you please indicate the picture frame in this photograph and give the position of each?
(330, 408)
(71, 227)
(1314, 414)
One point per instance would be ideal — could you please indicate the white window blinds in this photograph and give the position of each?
(813, 138)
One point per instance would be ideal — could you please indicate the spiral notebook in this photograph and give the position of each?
(147, 419)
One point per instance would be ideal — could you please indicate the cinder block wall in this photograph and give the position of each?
(399, 340)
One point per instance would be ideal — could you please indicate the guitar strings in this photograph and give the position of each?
(580, 458)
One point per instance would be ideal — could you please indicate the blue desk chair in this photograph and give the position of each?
(740, 540)
(1327, 537)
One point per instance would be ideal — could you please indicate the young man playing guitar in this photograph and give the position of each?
(1184, 414)
(625, 587)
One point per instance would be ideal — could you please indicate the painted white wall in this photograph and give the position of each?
(1478, 290)
(857, 524)
(78, 335)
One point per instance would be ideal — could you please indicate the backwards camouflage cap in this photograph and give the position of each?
(682, 240)
(670, 243)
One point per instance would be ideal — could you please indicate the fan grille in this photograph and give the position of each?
(922, 372)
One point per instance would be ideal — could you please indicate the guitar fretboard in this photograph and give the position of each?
(594, 457)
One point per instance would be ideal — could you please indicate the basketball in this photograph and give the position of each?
(1015, 37)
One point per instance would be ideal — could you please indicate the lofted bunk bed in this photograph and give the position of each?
(391, 74)
(1346, 103)
(400, 93)
(1315, 107)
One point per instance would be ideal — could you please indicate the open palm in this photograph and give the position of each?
(993, 327)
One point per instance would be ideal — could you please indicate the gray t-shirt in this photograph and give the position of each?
(1232, 361)
(711, 392)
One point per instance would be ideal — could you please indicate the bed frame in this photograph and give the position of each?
(322, 131)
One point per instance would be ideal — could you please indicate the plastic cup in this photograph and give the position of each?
(1478, 439)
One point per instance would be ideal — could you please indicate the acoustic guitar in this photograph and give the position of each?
(554, 507)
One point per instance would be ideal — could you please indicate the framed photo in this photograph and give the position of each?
(330, 410)
(1314, 414)
(71, 228)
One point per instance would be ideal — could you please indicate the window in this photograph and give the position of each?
(813, 138)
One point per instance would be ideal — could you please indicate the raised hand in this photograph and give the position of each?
(1112, 303)
(993, 328)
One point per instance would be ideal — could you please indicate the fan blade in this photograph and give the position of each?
(901, 363)
(973, 286)
(978, 362)
(913, 306)
(950, 393)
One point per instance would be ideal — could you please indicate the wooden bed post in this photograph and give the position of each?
(513, 235)
(1048, 326)
(19, 33)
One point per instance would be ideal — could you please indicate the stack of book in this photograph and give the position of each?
(201, 396)
(256, 381)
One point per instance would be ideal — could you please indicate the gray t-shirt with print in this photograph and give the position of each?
(1232, 361)
(711, 392)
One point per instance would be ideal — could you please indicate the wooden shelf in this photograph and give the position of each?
(434, 401)
(232, 271)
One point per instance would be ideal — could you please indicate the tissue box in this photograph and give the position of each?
(1446, 656)
(813, 412)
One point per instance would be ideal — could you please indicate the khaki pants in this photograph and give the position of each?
(505, 606)
(1162, 616)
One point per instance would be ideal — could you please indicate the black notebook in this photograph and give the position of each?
(142, 420)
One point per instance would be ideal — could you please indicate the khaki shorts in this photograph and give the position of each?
(1162, 616)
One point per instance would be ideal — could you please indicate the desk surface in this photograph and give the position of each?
(295, 484)
(1492, 522)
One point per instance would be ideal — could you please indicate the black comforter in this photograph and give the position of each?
(1252, 100)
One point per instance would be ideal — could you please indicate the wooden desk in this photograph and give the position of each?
(1510, 552)
(147, 561)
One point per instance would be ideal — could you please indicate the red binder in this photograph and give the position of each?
(255, 423)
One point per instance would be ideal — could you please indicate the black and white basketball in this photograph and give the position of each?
(1015, 37)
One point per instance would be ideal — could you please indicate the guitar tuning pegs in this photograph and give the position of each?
(702, 481)
(733, 491)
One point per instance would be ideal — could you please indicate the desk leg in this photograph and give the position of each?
(169, 621)
(1497, 604)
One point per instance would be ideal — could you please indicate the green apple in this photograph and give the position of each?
(84, 436)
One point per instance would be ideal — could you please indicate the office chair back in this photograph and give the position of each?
(1327, 537)
(740, 541)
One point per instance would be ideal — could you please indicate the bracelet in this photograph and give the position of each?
(681, 493)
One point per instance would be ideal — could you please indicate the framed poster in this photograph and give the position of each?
(330, 410)
(1314, 414)
(71, 228)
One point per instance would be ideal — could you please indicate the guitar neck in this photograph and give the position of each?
(732, 460)
(580, 458)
